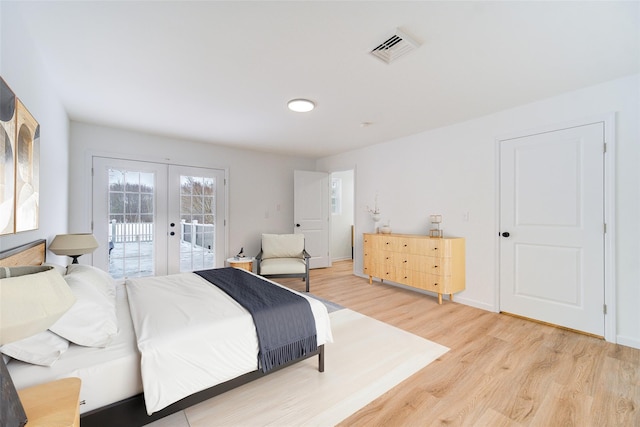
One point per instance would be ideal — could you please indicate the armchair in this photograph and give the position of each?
(283, 255)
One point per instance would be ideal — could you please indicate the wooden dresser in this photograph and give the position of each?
(432, 264)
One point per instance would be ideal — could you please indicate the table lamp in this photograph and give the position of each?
(73, 245)
(33, 299)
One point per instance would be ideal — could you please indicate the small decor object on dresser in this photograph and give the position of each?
(435, 265)
(435, 230)
(375, 212)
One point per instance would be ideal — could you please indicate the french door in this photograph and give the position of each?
(154, 219)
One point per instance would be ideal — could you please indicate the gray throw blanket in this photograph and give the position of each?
(284, 322)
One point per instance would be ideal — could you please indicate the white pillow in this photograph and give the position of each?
(92, 320)
(23, 316)
(100, 279)
(59, 268)
(40, 349)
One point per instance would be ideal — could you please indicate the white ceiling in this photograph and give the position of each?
(222, 72)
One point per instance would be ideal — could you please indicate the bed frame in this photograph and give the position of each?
(33, 253)
(132, 412)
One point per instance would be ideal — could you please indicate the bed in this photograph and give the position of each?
(113, 381)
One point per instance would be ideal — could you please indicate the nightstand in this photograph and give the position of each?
(53, 404)
(243, 263)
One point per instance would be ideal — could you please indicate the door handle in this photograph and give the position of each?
(505, 234)
(297, 225)
(173, 233)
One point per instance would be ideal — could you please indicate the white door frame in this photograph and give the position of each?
(609, 121)
(352, 203)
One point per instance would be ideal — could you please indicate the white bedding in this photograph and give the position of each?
(201, 338)
(108, 374)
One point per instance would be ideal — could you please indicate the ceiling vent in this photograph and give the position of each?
(399, 44)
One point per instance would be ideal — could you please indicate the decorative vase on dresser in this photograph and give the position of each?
(422, 262)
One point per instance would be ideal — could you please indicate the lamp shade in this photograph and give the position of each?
(33, 299)
(73, 244)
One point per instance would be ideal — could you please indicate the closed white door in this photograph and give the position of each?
(311, 214)
(154, 219)
(552, 227)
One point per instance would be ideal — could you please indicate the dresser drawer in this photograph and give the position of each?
(432, 247)
(440, 266)
(434, 283)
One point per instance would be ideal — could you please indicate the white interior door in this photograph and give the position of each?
(311, 214)
(552, 227)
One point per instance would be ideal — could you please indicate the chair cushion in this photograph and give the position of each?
(283, 266)
(282, 245)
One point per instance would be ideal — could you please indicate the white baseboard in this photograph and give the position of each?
(474, 303)
(628, 341)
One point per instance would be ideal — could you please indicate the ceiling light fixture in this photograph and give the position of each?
(301, 105)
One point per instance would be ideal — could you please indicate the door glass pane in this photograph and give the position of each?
(131, 223)
(197, 223)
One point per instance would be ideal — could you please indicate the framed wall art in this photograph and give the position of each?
(7, 158)
(19, 165)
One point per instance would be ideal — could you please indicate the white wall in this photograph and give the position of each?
(453, 171)
(258, 182)
(22, 69)
(341, 223)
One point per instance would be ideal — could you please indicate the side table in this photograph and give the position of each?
(52, 404)
(245, 263)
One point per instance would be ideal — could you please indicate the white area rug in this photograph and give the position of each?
(366, 359)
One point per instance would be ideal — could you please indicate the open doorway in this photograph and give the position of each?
(342, 215)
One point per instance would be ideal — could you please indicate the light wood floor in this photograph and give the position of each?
(501, 370)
